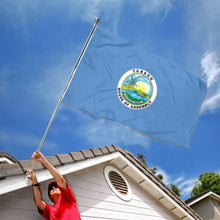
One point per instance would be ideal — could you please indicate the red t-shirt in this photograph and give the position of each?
(65, 209)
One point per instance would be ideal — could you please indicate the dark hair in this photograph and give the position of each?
(50, 187)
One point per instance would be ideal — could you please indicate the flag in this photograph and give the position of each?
(120, 82)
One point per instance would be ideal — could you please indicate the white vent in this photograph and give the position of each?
(117, 183)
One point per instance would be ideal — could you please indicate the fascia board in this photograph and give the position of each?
(211, 194)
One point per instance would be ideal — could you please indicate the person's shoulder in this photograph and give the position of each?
(68, 194)
(46, 211)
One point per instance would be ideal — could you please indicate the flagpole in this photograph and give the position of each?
(67, 86)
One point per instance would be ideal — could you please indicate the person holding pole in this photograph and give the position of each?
(60, 193)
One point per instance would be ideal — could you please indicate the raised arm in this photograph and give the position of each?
(39, 157)
(36, 191)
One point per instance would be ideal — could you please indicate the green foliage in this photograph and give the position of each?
(154, 171)
(160, 176)
(207, 181)
(175, 189)
(142, 159)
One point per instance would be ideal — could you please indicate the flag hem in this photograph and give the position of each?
(151, 137)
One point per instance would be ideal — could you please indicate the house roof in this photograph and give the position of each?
(201, 196)
(7, 158)
(123, 159)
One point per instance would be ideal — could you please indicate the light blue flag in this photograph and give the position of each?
(119, 82)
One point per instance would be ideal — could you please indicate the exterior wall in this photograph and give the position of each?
(97, 201)
(206, 209)
(94, 197)
(18, 205)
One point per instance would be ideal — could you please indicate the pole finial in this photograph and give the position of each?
(97, 20)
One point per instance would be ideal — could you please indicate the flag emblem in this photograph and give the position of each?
(137, 89)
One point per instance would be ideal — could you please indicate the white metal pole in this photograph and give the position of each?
(67, 85)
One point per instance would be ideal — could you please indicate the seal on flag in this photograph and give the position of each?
(137, 89)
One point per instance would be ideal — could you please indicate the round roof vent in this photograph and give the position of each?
(117, 183)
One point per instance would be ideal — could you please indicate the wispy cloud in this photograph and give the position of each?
(203, 48)
(178, 180)
(22, 12)
(202, 23)
(103, 133)
(100, 132)
(158, 7)
(184, 184)
(166, 176)
(211, 71)
(210, 67)
(15, 139)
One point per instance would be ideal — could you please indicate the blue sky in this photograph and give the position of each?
(40, 43)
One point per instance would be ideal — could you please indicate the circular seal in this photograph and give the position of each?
(137, 89)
